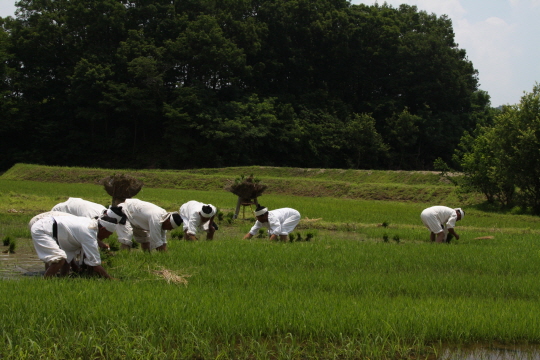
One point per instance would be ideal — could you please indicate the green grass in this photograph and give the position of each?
(353, 184)
(345, 294)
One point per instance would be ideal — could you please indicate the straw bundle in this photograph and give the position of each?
(121, 186)
(246, 187)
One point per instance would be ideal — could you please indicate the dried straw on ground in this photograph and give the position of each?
(172, 277)
(121, 186)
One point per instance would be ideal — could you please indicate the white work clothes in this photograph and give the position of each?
(85, 208)
(80, 207)
(439, 218)
(146, 219)
(280, 222)
(46, 214)
(189, 212)
(75, 234)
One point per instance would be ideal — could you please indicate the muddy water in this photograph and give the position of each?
(24, 262)
(490, 352)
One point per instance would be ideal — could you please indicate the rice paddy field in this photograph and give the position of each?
(368, 285)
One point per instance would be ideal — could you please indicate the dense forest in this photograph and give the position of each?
(207, 83)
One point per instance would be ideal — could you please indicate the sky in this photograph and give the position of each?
(501, 38)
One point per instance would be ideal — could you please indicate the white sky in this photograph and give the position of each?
(501, 37)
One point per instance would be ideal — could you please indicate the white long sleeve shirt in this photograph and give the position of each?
(147, 216)
(446, 216)
(85, 208)
(80, 207)
(191, 217)
(280, 222)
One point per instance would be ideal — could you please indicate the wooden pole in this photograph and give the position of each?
(237, 211)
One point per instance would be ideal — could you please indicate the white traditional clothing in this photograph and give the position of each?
(146, 220)
(80, 207)
(88, 209)
(439, 218)
(191, 217)
(74, 234)
(46, 214)
(280, 222)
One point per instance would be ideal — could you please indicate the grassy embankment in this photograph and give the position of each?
(348, 293)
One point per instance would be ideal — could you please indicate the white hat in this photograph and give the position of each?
(461, 212)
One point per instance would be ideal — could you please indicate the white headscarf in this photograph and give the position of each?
(110, 213)
(212, 213)
(111, 227)
(174, 224)
(261, 212)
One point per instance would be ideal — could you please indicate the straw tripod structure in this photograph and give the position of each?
(121, 187)
(248, 189)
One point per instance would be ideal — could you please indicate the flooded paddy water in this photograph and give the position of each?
(23, 262)
(488, 352)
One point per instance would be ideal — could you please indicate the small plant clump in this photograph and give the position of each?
(230, 218)
(220, 215)
(6, 240)
(114, 244)
(309, 236)
(396, 238)
(177, 234)
(261, 234)
(12, 247)
(385, 237)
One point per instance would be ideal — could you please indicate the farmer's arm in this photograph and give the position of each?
(451, 231)
(101, 271)
(211, 230)
(253, 231)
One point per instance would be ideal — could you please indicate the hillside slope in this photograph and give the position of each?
(415, 186)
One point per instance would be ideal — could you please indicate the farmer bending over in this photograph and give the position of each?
(280, 222)
(150, 223)
(441, 220)
(58, 239)
(85, 208)
(198, 216)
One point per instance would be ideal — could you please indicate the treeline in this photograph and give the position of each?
(205, 83)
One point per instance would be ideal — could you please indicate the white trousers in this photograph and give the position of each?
(431, 222)
(290, 224)
(46, 247)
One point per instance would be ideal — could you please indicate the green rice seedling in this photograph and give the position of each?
(299, 237)
(261, 234)
(6, 240)
(114, 244)
(220, 215)
(385, 224)
(309, 236)
(385, 237)
(177, 234)
(12, 246)
(396, 238)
